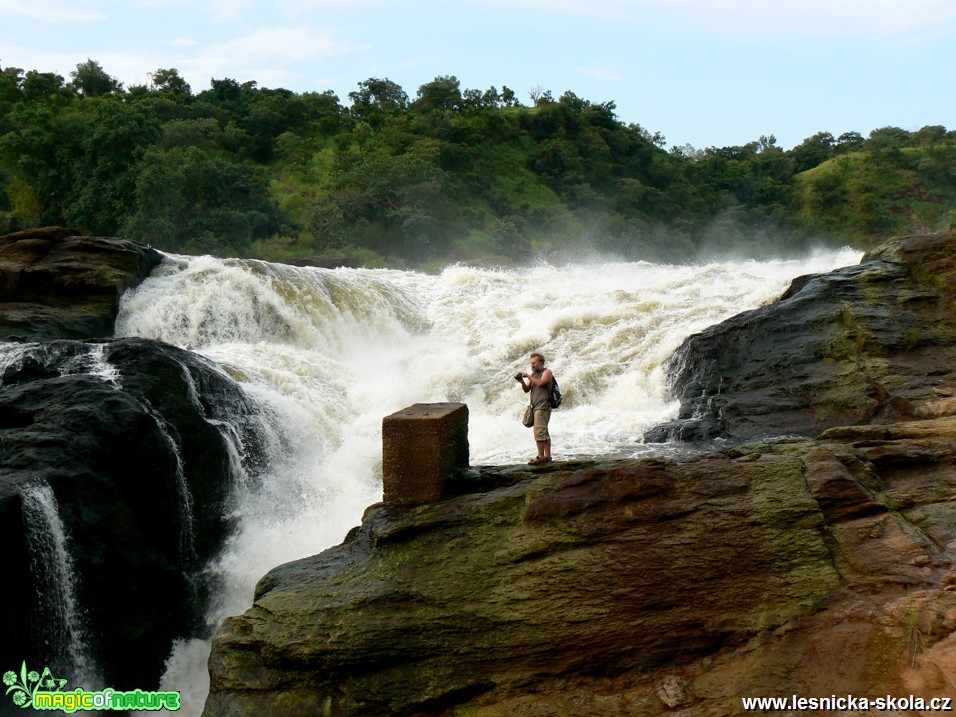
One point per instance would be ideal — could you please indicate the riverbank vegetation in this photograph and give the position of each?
(450, 174)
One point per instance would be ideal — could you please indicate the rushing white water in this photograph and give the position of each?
(89, 360)
(184, 498)
(330, 353)
(63, 628)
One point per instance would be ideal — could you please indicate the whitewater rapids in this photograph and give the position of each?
(329, 353)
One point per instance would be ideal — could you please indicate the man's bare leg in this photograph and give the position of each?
(544, 450)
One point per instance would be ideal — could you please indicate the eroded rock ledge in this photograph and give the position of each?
(871, 343)
(789, 567)
(56, 283)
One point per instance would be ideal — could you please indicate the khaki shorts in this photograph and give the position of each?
(541, 418)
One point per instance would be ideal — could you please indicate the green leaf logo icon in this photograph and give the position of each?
(25, 685)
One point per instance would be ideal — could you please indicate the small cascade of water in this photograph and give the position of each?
(93, 363)
(184, 497)
(12, 356)
(244, 461)
(63, 631)
(68, 358)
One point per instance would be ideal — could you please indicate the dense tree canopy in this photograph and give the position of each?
(91, 80)
(454, 173)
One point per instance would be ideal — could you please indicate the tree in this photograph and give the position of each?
(90, 80)
(169, 83)
(269, 113)
(326, 221)
(442, 94)
(930, 134)
(38, 152)
(403, 200)
(849, 142)
(42, 86)
(113, 140)
(687, 151)
(323, 112)
(225, 90)
(376, 98)
(813, 151)
(11, 79)
(204, 133)
(657, 139)
(887, 141)
(490, 97)
(188, 200)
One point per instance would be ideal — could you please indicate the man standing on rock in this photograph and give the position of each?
(539, 384)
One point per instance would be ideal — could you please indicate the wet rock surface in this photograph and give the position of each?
(56, 283)
(792, 566)
(873, 343)
(124, 433)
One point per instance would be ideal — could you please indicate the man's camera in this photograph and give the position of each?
(517, 376)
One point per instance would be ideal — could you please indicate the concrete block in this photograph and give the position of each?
(421, 446)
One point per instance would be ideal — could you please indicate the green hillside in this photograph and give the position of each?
(451, 174)
(896, 183)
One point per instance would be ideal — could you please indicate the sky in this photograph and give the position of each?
(699, 72)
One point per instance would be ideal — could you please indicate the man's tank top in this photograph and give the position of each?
(540, 395)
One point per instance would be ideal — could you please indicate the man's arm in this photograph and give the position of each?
(543, 381)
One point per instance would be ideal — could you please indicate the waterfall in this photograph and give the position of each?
(329, 353)
(93, 363)
(68, 357)
(184, 498)
(249, 438)
(63, 632)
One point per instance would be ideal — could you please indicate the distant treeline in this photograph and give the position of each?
(239, 170)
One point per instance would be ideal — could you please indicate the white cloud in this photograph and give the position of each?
(271, 56)
(294, 7)
(762, 19)
(860, 19)
(49, 12)
(229, 9)
(283, 44)
(128, 68)
(609, 8)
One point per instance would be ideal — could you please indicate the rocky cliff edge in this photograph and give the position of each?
(56, 283)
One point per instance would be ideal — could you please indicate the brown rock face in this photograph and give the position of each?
(637, 587)
(56, 283)
(872, 343)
